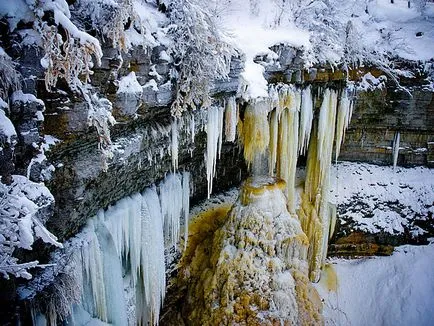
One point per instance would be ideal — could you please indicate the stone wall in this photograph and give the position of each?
(379, 115)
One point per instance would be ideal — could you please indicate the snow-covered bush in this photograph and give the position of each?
(107, 17)
(20, 224)
(199, 51)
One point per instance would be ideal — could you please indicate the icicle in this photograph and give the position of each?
(171, 206)
(112, 272)
(395, 150)
(326, 130)
(343, 120)
(231, 119)
(125, 250)
(174, 144)
(133, 239)
(221, 114)
(152, 255)
(306, 117)
(214, 142)
(192, 128)
(186, 204)
(274, 128)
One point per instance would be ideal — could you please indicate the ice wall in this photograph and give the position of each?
(120, 268)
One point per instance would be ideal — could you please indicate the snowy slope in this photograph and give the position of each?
(395, 290)
(377, 198)
(380, 28)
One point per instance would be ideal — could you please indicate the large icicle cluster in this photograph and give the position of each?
(291, 131)
(316, 214)
(285, 124)
(120, 269)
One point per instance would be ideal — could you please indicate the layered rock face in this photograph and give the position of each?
(380, 115)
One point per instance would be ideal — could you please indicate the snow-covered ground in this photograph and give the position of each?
(376, 198)
(395, 290)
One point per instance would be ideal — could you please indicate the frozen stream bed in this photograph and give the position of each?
(394, 290)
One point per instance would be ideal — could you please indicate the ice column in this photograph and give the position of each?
(214, 130)
(343, 120)
(231, 119)
(306, 118)
(315, 213)
(395, 150)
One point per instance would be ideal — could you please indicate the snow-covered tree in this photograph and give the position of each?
(199, 51)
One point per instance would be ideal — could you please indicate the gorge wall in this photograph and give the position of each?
(143, 143)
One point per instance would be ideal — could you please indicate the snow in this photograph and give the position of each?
(153, 84)
(394, 290)
(19, 96)
(15, 11)
(402, 24)
(378, 198)
(150, 22)
(20, 225)
(370, 82)
(6, 127)
(164, 56)
(253, 35)
(129, 84)
(61, 18)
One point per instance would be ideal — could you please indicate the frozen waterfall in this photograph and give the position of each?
(120, 267)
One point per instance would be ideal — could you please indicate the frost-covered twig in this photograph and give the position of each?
(100, 117)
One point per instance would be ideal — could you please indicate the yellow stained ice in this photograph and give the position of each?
(315, 213)
(254, 131)
(253, 269)
(284, 132)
